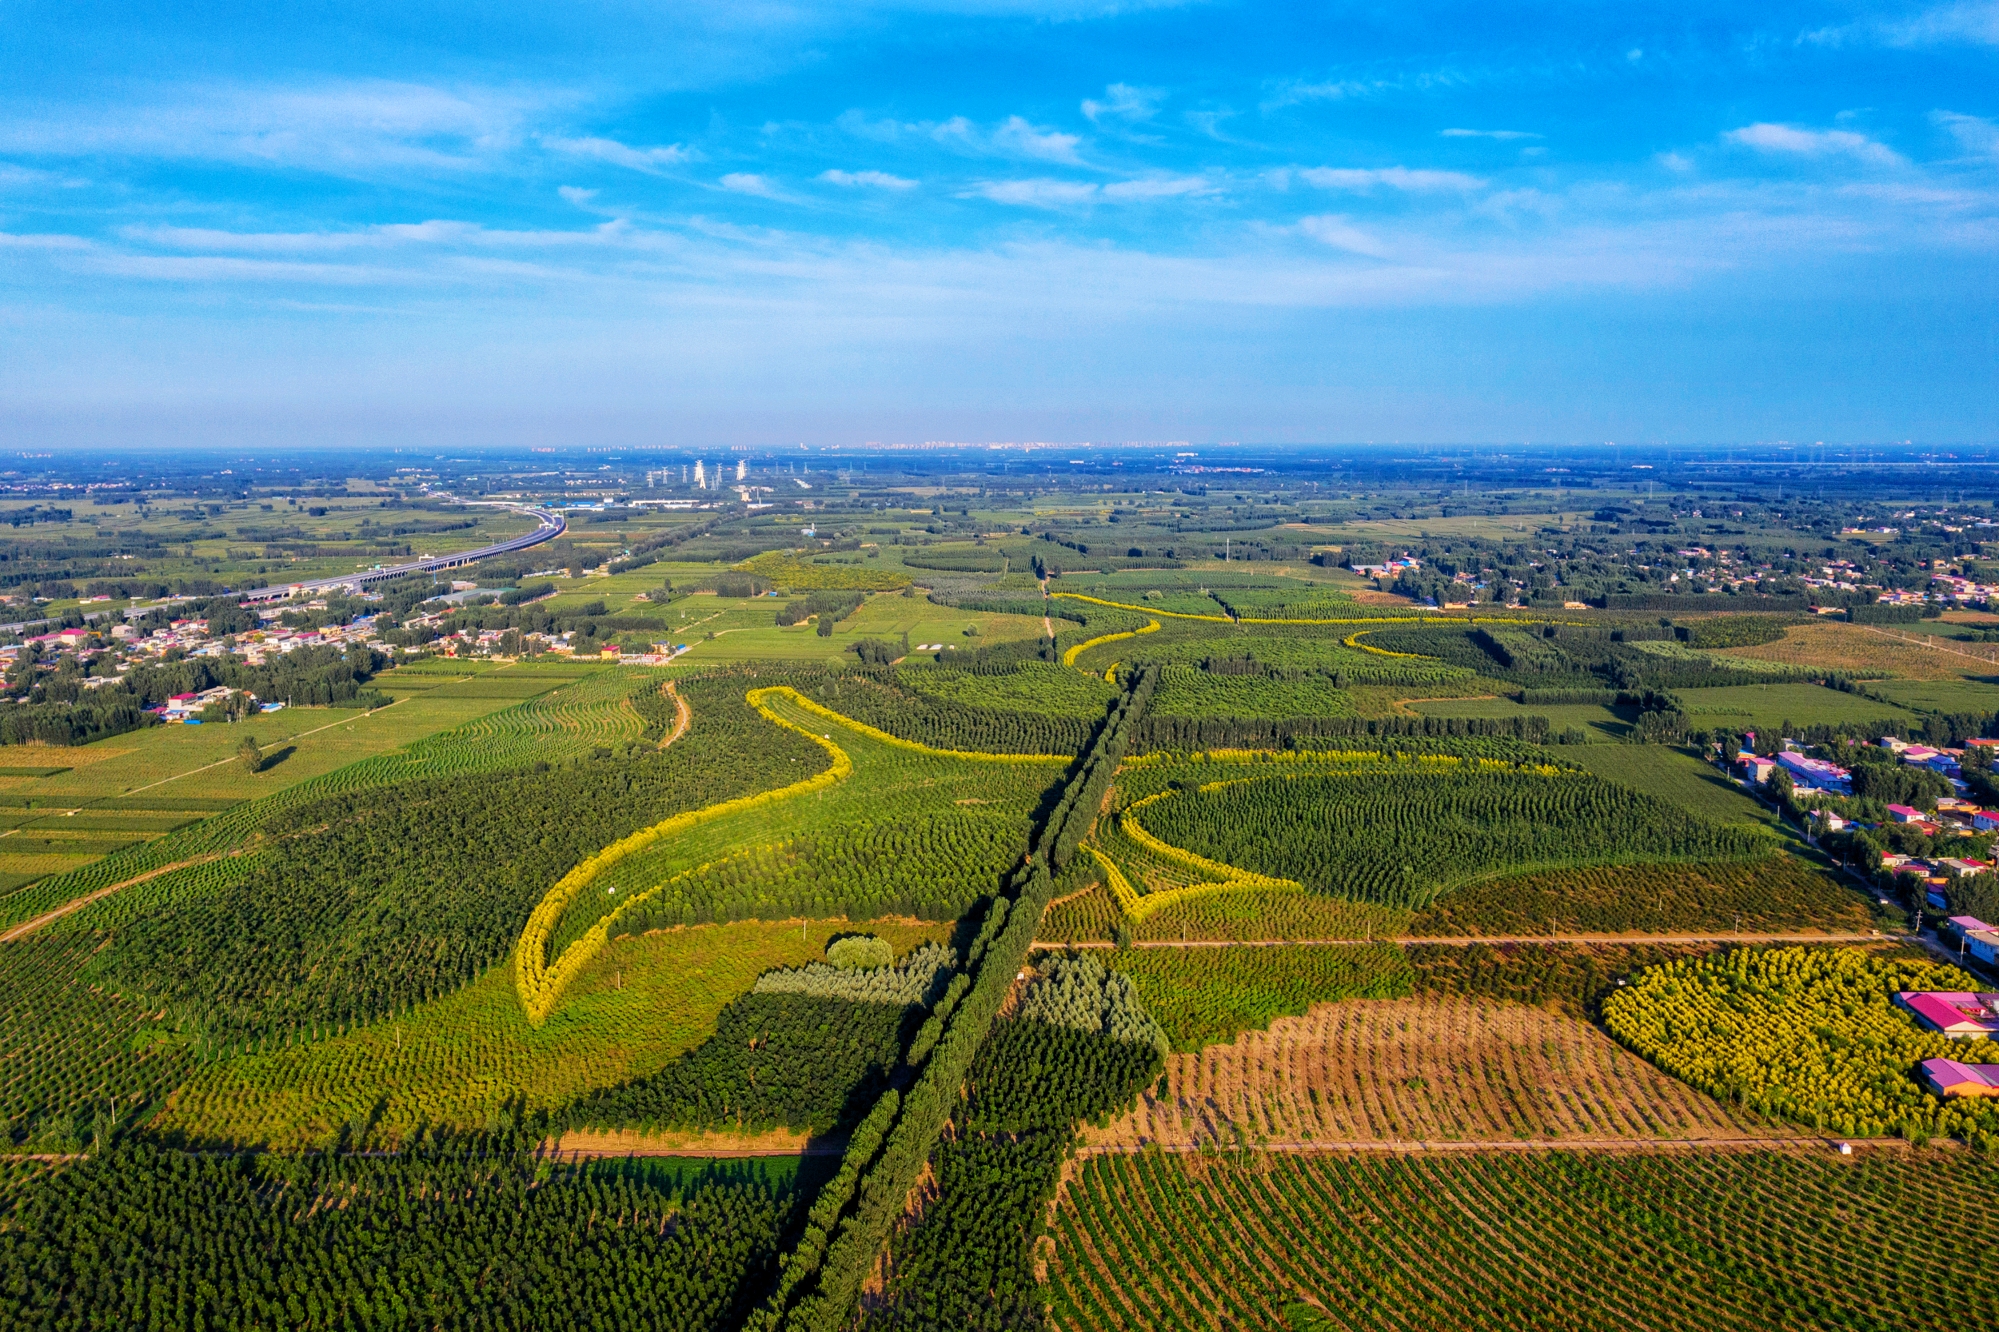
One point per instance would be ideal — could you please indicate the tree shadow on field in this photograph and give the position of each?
(276, 756)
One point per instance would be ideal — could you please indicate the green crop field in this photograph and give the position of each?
(1765, 707)
(1597, 722)
(165, 764)
(1675, 777)
(1940, 695)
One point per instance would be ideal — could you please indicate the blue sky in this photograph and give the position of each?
(763, 222)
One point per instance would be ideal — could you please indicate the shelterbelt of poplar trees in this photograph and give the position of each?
(820, 1281)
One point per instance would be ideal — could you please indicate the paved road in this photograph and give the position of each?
(551, 526)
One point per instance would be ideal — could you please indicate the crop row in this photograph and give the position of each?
(1675, 1242)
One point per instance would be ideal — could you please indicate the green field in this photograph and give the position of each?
(1598, 722)
(1768, 707)
(515, 715)
(1946, 696)
(1676, 776)
(164, 765)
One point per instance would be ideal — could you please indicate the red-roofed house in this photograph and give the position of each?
(1965, 1016)
(1947, 1077)
(1905, 814)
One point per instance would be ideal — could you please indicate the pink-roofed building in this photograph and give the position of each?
(1965, 924)
(1905, 814)
(1954, 1013)
(1948, 1078)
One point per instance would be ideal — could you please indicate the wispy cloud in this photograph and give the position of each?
(1123, 102)
(650, 160)
(351, 127)
(1968, 22)
(1795, 142)
(876, 180)
(1366, 179)
(1046, 193)
(1022, 139)
(1041, 193)
(1015, 137)
(1977, 135)
(580, 197)
(749, 182)
(1502, 134)
(1335, 230)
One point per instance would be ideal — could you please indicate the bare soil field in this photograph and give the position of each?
(1427, 1069)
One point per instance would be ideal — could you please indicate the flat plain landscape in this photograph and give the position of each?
(933, 920)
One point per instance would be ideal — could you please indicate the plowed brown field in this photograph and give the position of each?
(1428, 1069)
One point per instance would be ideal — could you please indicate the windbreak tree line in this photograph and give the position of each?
(853, 1215)
(967, 1262)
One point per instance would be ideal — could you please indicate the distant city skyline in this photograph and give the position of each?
(715, 225)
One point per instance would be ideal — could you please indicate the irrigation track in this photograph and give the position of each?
(1468, 940)
(26, 928)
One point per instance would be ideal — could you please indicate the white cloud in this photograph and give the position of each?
(879, 180)
(1015, 137)
(1489, 134)
(1333, 229)
(1158, 187)
(579, 197)
(1975, 22)
(1363, 180)
(1123, 102)
(1047, 193)
(1789, 139)
(649, 160)
(1210, 122)
(1675, 162)
(355, 127)
(1041, 193)
(1021, 139)
(748, 182)
(1977, 135)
